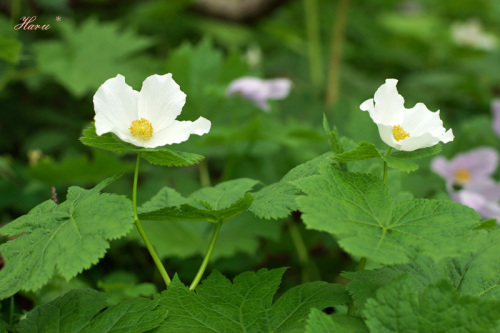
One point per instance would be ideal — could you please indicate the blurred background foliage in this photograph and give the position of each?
(337, 53)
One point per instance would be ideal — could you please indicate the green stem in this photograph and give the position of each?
(15, 9)
(335, 56)
(351, 310)
(204, 174)
(301, 248)
(11, 314)
(138, 224)
(314, 42)
(204, 264)
(384, 178)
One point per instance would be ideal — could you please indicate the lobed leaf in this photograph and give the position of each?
(158, 156)
(246, 304)
(436, 308)
(80, 310)
(320, 322)
(359, 210)
(66, 238)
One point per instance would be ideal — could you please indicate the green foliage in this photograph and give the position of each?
(159, 156)
(80, 310)
(101, 50)
(396, 160)
(246, 305)
(359, 210)
(211, 204)
(473, 273)
(436, 308)
(9, 49)
(320, 322)
(68, 237)
(277, 200)
(121, 285)
(186, 237)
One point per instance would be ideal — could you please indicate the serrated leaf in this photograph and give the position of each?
(366, 150)
(211, 204)
(101, 50)
(158, 156)
(320, 322)
(359, 210)
(66, 238)
(437, 308)
(277, 200)
(79, 310)
(474, 273)
(187, 238)
(246, 305)
(419, 153)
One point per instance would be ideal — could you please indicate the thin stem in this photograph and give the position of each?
(351, 310)
(15, 9)
(138, 224)
(205, 261)
(204, 174)
(314, 42)
(11, 314)
(301, 248)
(384, 178)
(335, 56)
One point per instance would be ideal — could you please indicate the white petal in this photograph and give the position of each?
(160, 101)
(368, 106)
(278, 88)
(386, 135)
(177, 132)
(115, 105)
(389, 104)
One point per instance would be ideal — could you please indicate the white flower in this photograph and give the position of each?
(471, 34)
(145, 118)
(259, 91)
(401, 128)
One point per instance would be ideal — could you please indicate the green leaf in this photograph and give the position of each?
(9, 49)
(419, 153)
(437, 308)
(66, 238)
(359, 210)
(366, 150)
(188, 237)
(246, 305)
(320, 322)
(121, 285)
(277, 200)
(80, 311)
(101, 50)
(211, 204)
(159, 155)
(474, 273)
(488, 224)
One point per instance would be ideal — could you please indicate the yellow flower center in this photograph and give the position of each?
(462, 176)
(141, 128)
(399, 133)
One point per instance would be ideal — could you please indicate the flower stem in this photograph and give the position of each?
(138, 224)
(351, 310)
(204, 174)
(205, 261)
(314, 42)
(301, 248)
(384, 178)
(335, 56)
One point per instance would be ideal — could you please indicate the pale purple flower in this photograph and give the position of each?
(468, 167)
(259, 91)
(495, 109)
(482, 196)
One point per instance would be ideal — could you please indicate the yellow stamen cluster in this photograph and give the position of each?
(142, 128)
(399, 133)
(462, 176)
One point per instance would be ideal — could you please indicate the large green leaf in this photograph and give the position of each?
(80, 310)
(66, 238)
(401, 307)
(246, 305)
(475, 273)
(359, 210)
(159, 155)
(278, 200)
(320, 322)
(88, 55)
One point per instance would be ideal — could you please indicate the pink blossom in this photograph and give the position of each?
(467, 167)
(482, 196)
(259, 91)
